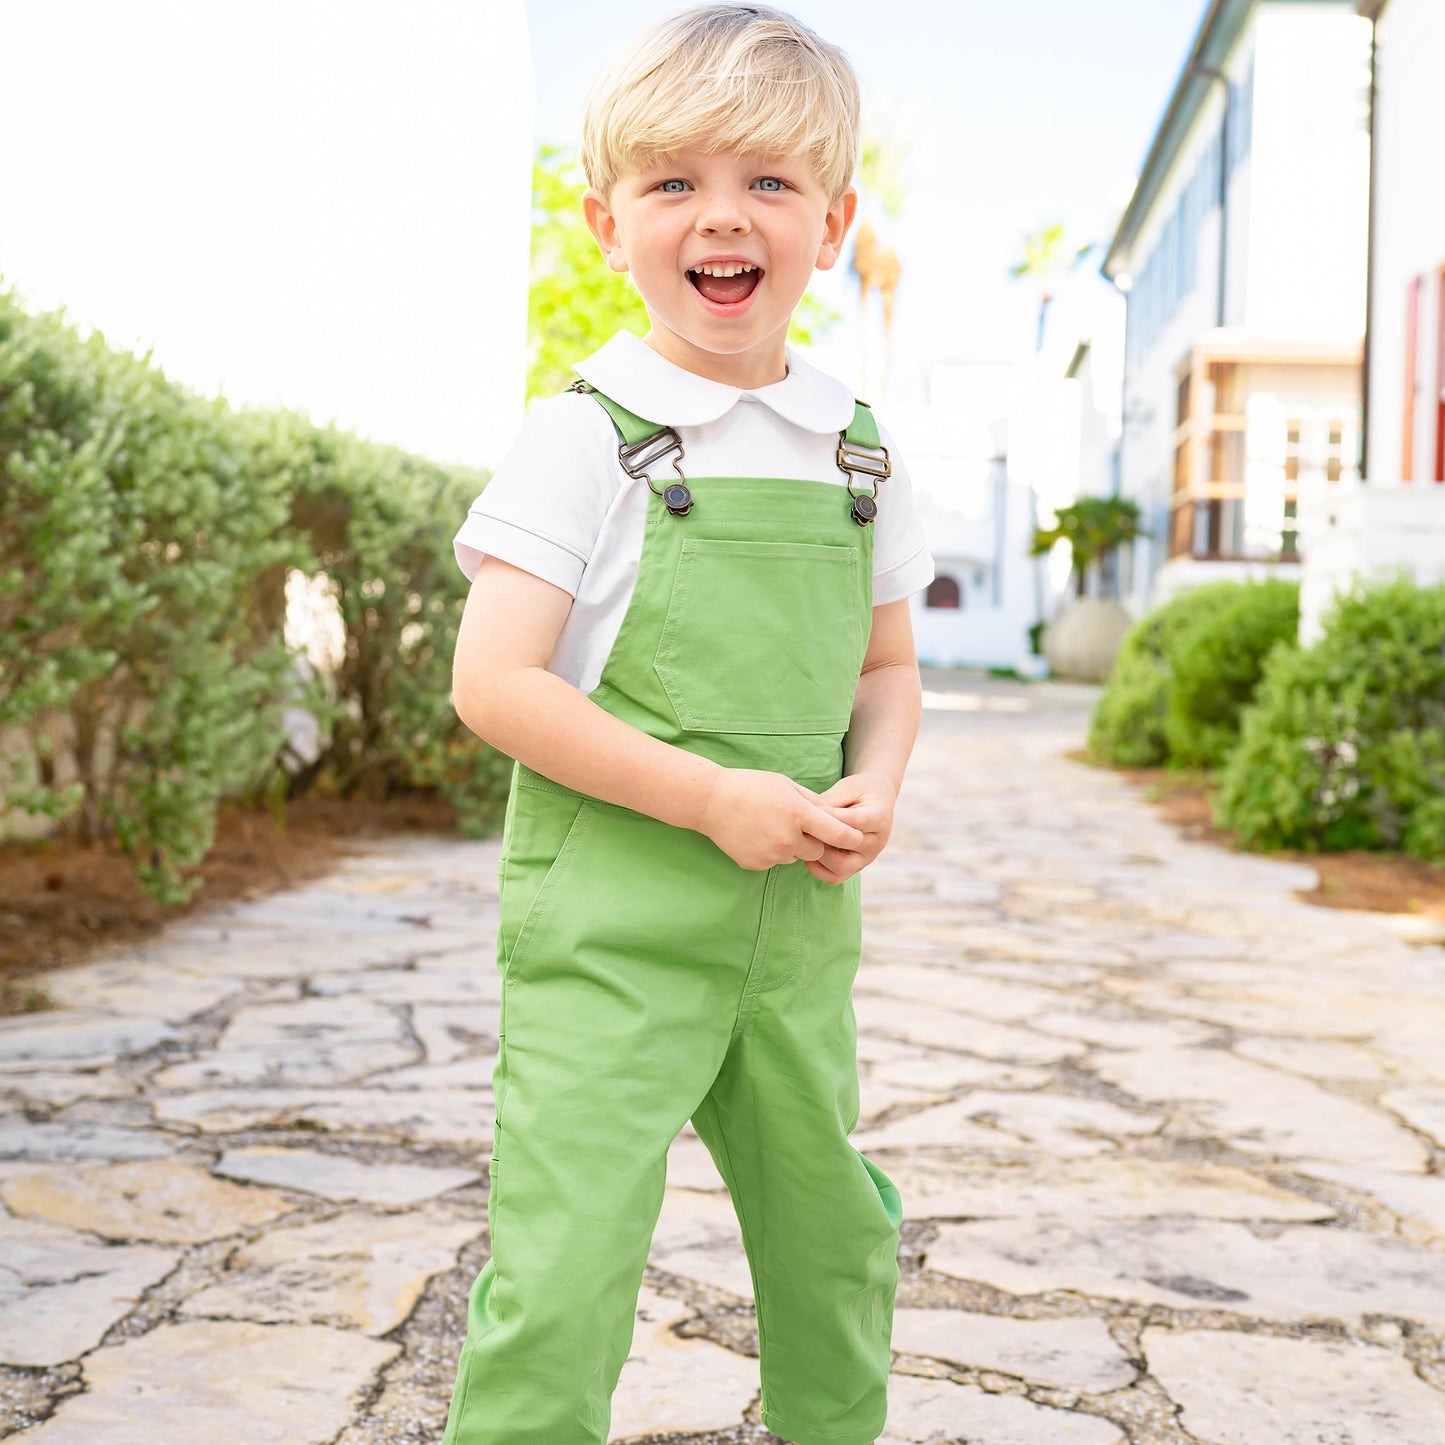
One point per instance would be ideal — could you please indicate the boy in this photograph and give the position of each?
(688, 623)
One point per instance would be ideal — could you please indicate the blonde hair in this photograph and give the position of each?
(743, 78)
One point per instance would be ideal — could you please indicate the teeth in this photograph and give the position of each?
(731, 269)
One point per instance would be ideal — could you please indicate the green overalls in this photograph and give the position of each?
(647, 979)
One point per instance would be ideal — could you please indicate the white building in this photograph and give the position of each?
(996, 447)
(1243, 256)
(1398, 518)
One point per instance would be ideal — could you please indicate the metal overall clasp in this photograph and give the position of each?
(639, 456)
(869, 462)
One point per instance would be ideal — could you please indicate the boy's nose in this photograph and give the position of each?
(719, 213)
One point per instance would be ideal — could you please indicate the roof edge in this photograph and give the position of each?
(1183, 104)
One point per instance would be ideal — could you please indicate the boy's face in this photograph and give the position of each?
(722, 210)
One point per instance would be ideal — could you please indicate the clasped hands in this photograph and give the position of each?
(863, 801)
(760, 819)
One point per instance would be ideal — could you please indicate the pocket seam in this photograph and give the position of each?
(551, 882)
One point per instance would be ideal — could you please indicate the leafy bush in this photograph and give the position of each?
(1344, 746)
(1216, 666)
(1172, 685)
(145, 541)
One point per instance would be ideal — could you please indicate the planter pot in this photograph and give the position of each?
(1083, 640)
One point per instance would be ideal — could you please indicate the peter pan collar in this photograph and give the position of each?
(629, 371)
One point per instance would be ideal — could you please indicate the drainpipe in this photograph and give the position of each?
(1210, 72)
(1369, 275)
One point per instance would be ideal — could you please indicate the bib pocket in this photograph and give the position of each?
(763, 637)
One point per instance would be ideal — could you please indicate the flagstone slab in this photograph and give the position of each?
(947, 1073)
(1262, 1110)
(138, 987)
(671, 1383)
(1300, 1273)
(1061, 1124)
(310, 1040)
(469, 985)
(336, 1176)
(60, 1139)
(690, 1166)
(956, 986)
(1063, 1354)
(936, 1412)
(452, 1116)
(1250, 1389)
(1417, 1199)
(158, 1200)
(449, 1032)
(60, 1293)
(1314, 1058)
(1118, 1030)
(359, 1270)
(227, 1382)
(1422, 1109)
(698, 1237)
(77, 1037)
(917, 1023)
(473, 1073)
(1106, 1186)
(59, 1089)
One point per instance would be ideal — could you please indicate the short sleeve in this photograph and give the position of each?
(902, 563)
(544, 506)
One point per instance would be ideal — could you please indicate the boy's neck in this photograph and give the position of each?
(760, 366)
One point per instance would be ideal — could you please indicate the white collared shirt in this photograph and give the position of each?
(560, 505)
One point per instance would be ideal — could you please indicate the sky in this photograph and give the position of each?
(1029, 111)
(323, 203)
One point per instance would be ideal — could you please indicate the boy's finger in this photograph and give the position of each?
(827, 828)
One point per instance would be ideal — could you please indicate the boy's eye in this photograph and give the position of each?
(673, 187)
(772, 183)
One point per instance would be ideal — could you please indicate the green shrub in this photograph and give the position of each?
(145, 541)
(1216, 664)
(1131, 724)
(1344, 746)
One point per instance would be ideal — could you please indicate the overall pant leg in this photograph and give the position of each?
(819, 1221)
(615, 1019)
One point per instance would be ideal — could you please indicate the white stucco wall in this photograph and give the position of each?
(1409, 229)
(1309, 174)
(1367, 533)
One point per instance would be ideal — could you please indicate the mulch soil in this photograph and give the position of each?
(62, 903)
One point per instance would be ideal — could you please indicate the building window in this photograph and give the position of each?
(1335, 451)
(942, 592)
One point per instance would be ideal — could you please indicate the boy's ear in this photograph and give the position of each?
(603, 225)
(835, 229)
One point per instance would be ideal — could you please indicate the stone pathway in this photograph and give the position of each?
(1169, 1142)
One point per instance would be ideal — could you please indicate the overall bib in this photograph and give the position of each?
(647, 979)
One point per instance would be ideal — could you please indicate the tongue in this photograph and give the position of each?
(726, 290)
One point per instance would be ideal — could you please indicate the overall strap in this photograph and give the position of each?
(861, 452)
(643, 443)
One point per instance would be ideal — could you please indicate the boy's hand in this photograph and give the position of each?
(760, 819)
(866, 801)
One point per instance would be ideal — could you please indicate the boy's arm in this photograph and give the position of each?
(502, 691)
(888, 705)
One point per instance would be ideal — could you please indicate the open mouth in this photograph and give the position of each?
(726, 285)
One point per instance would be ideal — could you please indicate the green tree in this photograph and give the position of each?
(576, 303)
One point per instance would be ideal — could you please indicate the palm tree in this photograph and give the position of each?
(1047, 259)
(875, 262)
(1094, 527)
